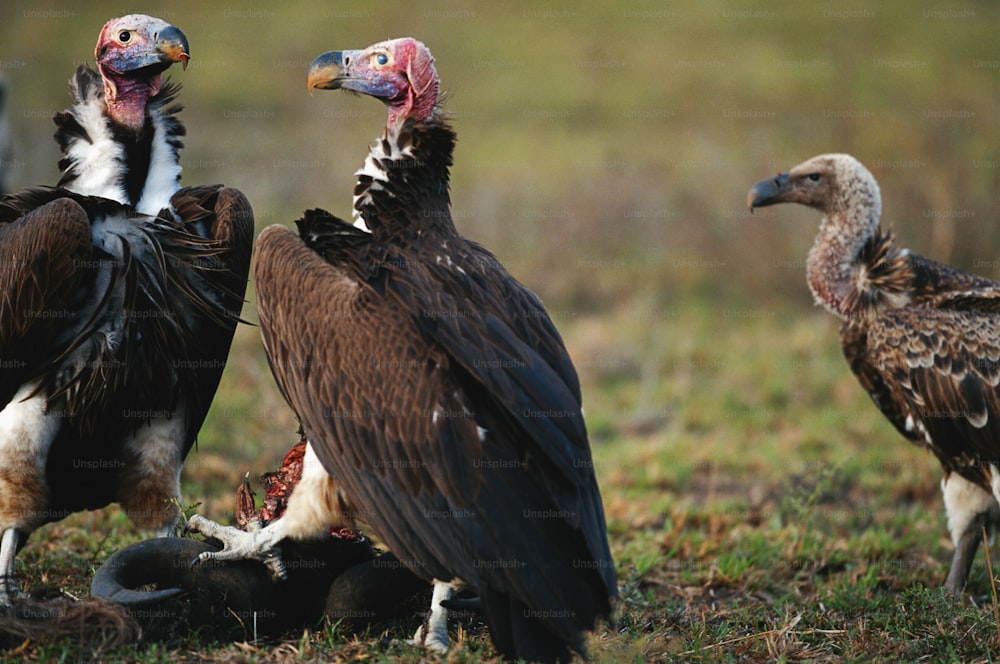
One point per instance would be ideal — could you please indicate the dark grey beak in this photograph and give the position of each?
(767, 192)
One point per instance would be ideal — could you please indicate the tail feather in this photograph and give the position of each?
(518, 632)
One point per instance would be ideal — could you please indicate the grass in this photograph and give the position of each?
(768, 533)
(759, 507)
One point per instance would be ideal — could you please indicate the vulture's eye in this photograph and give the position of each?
(124, 36)
(381, 58)
(814, 177)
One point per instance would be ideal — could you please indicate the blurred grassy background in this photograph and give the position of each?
(604, 155)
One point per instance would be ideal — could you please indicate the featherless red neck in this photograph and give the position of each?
(131, 53)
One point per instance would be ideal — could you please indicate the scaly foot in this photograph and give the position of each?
(262, 545)
(10, 541)
(9, 591)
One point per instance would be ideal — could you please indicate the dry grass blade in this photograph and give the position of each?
(98, 623)
(771, 636)
(993, 583)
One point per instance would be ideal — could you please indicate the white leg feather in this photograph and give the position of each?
(969, 509)
(313, 507)
(963, 502)
(433, 634)
(26, 435)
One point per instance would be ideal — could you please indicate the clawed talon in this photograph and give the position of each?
(260, 545)
(9, 590)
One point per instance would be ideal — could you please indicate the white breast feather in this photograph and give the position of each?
(162, 181)
(374, 170)
(96, 162)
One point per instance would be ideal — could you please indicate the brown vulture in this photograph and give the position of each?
(438, 399)
(119, 296)
(921, 337)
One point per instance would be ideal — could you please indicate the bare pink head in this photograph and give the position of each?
(400, 72)
(132, 53)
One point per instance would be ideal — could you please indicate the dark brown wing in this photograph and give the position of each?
(71, 361)
(510, 359)
(493, 328)
(867, 345)
(935, 283)
(118, 317)
(42, 255)
(435, 447)
(500, 294)
(943, 368)
(215, 282)
(883, 391)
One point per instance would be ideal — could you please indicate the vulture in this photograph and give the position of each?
(119, 297)
(920, 336)
(439, 402)
(121, 138)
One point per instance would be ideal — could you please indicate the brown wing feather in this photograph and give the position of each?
(913, 362)
(425, 448)
(41, 257)
(882, 389)
(934, 284)
(59, 314)
(944, 366)
(318, 361)
(224, 217)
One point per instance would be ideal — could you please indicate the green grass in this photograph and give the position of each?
(731, 542)
(759, 507)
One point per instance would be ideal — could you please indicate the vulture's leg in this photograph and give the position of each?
(965, 554)
(151, 480)
(968, 508)
(11, 541)
(26, 434)
(433, 634)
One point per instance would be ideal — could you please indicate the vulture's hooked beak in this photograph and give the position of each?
(169, 45)
(172, 43)
(767, 192)
(327, 71)
(350, 70)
